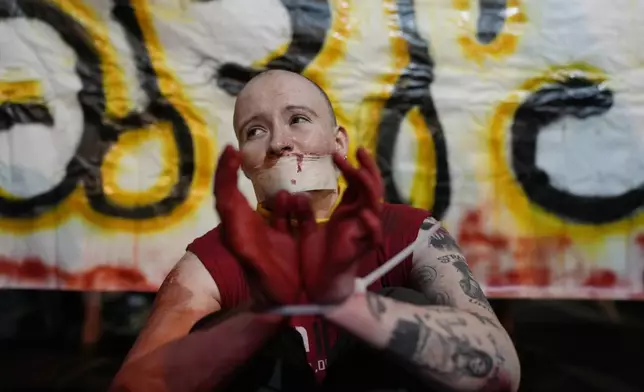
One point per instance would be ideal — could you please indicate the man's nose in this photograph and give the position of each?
(281, 143)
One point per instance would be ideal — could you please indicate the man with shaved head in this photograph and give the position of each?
(235, 312)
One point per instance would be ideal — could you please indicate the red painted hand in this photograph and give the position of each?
(268, 252)
(329, 254)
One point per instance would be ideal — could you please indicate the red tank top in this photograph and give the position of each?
(400, 224)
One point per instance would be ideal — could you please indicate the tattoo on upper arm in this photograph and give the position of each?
(470, 286)
(410, 338)
(376, 305)
(452, 356)
(450, 258)
(428, 223)
(443, 241)
(425, 277)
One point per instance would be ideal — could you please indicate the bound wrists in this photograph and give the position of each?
(343, 308)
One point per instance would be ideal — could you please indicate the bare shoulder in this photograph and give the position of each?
(187, 287)
(187, 294)
(190, 272)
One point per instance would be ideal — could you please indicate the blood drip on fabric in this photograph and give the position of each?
(601, 278)
(300, 159)
(640, 241)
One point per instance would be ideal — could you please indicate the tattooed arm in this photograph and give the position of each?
(166, 358)
(458, 342)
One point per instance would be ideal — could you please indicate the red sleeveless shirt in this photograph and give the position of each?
(400, 224)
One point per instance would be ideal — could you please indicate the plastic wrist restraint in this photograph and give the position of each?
(361, 284)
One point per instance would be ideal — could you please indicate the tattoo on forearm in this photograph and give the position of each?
(486, 320)
(470, 286)
(439, 298)
(409, 339)
(376, 305)
(489, 321)
(425, 278)
(497, 381)
(440, 350)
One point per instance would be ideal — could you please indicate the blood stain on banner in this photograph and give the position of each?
(601, 278)
(471, 232)
(481, 247)
(34, 270)
(532, 256)
(639, 240)
(535, 259)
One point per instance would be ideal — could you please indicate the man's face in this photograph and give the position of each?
(281, 113)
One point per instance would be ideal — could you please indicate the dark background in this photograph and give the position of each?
(563, 345)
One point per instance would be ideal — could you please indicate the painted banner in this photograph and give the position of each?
(514, 121)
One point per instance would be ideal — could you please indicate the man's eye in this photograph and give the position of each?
(253, 132)
(299, 119)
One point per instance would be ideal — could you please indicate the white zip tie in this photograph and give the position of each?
(301, 310)
(361, 284)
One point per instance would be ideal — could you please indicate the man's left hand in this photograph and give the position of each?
(329, 254)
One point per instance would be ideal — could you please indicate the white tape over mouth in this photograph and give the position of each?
(296, 173)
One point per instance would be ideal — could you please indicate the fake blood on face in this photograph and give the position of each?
(300, 159)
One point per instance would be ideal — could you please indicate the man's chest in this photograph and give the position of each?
(318, 338)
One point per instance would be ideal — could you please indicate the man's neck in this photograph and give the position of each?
(323, 202)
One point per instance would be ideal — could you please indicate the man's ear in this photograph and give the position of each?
(341, 141)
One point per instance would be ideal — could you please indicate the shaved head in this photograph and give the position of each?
(285, 75)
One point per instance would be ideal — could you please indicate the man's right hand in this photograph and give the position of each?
(268, 251)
